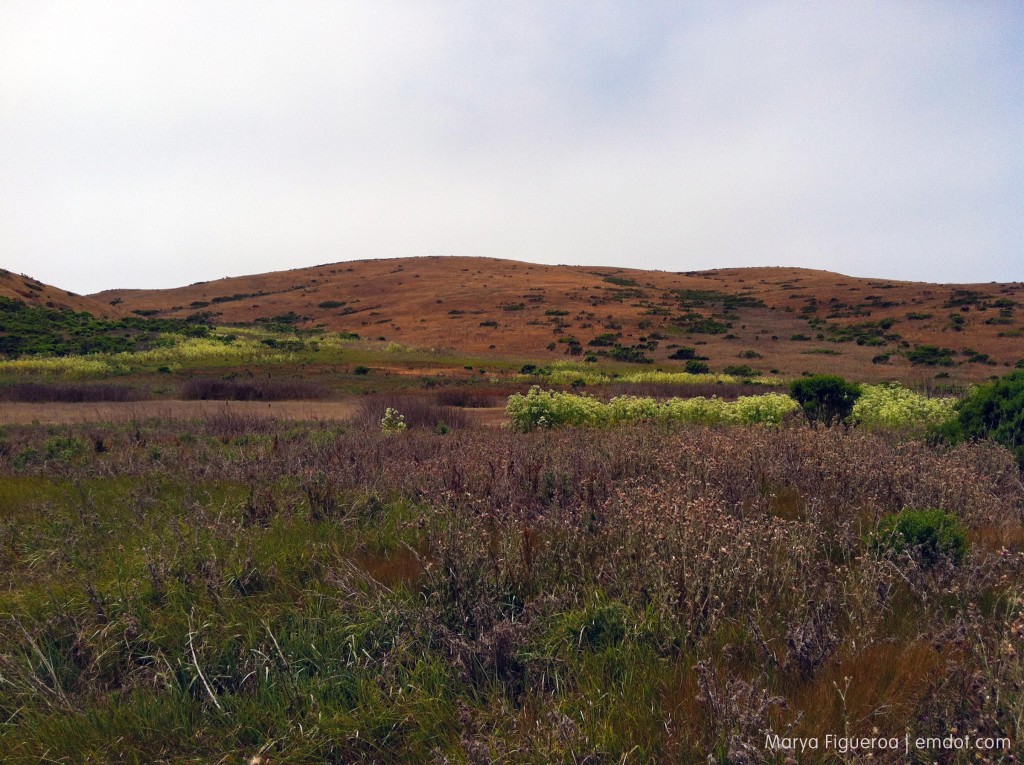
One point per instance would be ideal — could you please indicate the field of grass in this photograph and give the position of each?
(200, 561)
(240, 589)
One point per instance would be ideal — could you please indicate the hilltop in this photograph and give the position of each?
(789, 320)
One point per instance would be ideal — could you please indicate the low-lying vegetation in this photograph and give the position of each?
(417, 410)
(568, 374)
(890, 405)
(285, 593)
(874, 406)
(220, 348)
(551, 409)
(33, 392)
(252, 390)
(27, 330)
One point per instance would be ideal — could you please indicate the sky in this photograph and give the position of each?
(155, 144)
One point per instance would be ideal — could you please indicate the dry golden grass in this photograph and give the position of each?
(17, 413)
(35, 293)
(434, 302)
(60, 413)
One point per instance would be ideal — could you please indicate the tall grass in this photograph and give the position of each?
(419, 411)
(252, 390)
(307, 594)
(70, 392)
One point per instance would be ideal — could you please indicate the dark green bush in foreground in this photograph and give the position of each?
(930, 535)
(995, 411)
(825, 398)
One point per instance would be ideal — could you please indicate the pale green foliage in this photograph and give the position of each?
(565, 374)
(96, 365)
(246, 348)
(891, 405)
(549, 409)
(392, 422)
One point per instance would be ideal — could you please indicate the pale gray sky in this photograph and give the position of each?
(154, 144)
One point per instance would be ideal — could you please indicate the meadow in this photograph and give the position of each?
(668, 590)
(492, 559)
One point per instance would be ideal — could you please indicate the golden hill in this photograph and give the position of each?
(786, 319)
(36, 293)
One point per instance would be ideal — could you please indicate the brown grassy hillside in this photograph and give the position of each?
(786, 319)
(34, 292)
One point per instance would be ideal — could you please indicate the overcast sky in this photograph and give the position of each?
(154, 144)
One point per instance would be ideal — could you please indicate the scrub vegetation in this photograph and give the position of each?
(607, 539)
(243, 589)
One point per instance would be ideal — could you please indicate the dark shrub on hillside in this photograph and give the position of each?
(825, 398)
(931, 355)
(70, 392)
(741, 370)
(252, 390)
(929, 535)
(684, 353)
(418, 411)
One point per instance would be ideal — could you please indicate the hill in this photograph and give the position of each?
(35, 293)
(790, 320)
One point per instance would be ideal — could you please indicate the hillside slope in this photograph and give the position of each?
(36, 293)
(786, 319)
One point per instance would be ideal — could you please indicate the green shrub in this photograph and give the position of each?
(740, 370)
(931, 355)
(929, 535)
(825, 398)
(684, 353)
(600, 626)
(64, 448)
(696, 367)
(994, 410)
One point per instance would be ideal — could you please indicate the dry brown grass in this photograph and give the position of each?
(17, 413)
(63, 413)
(435, 302)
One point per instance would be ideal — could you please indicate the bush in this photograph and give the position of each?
(740, 370)
(891, 405)
(696, 367)
(996, 411)
(929, 535)
(931, 355)
(825, 398)
(685, 353)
